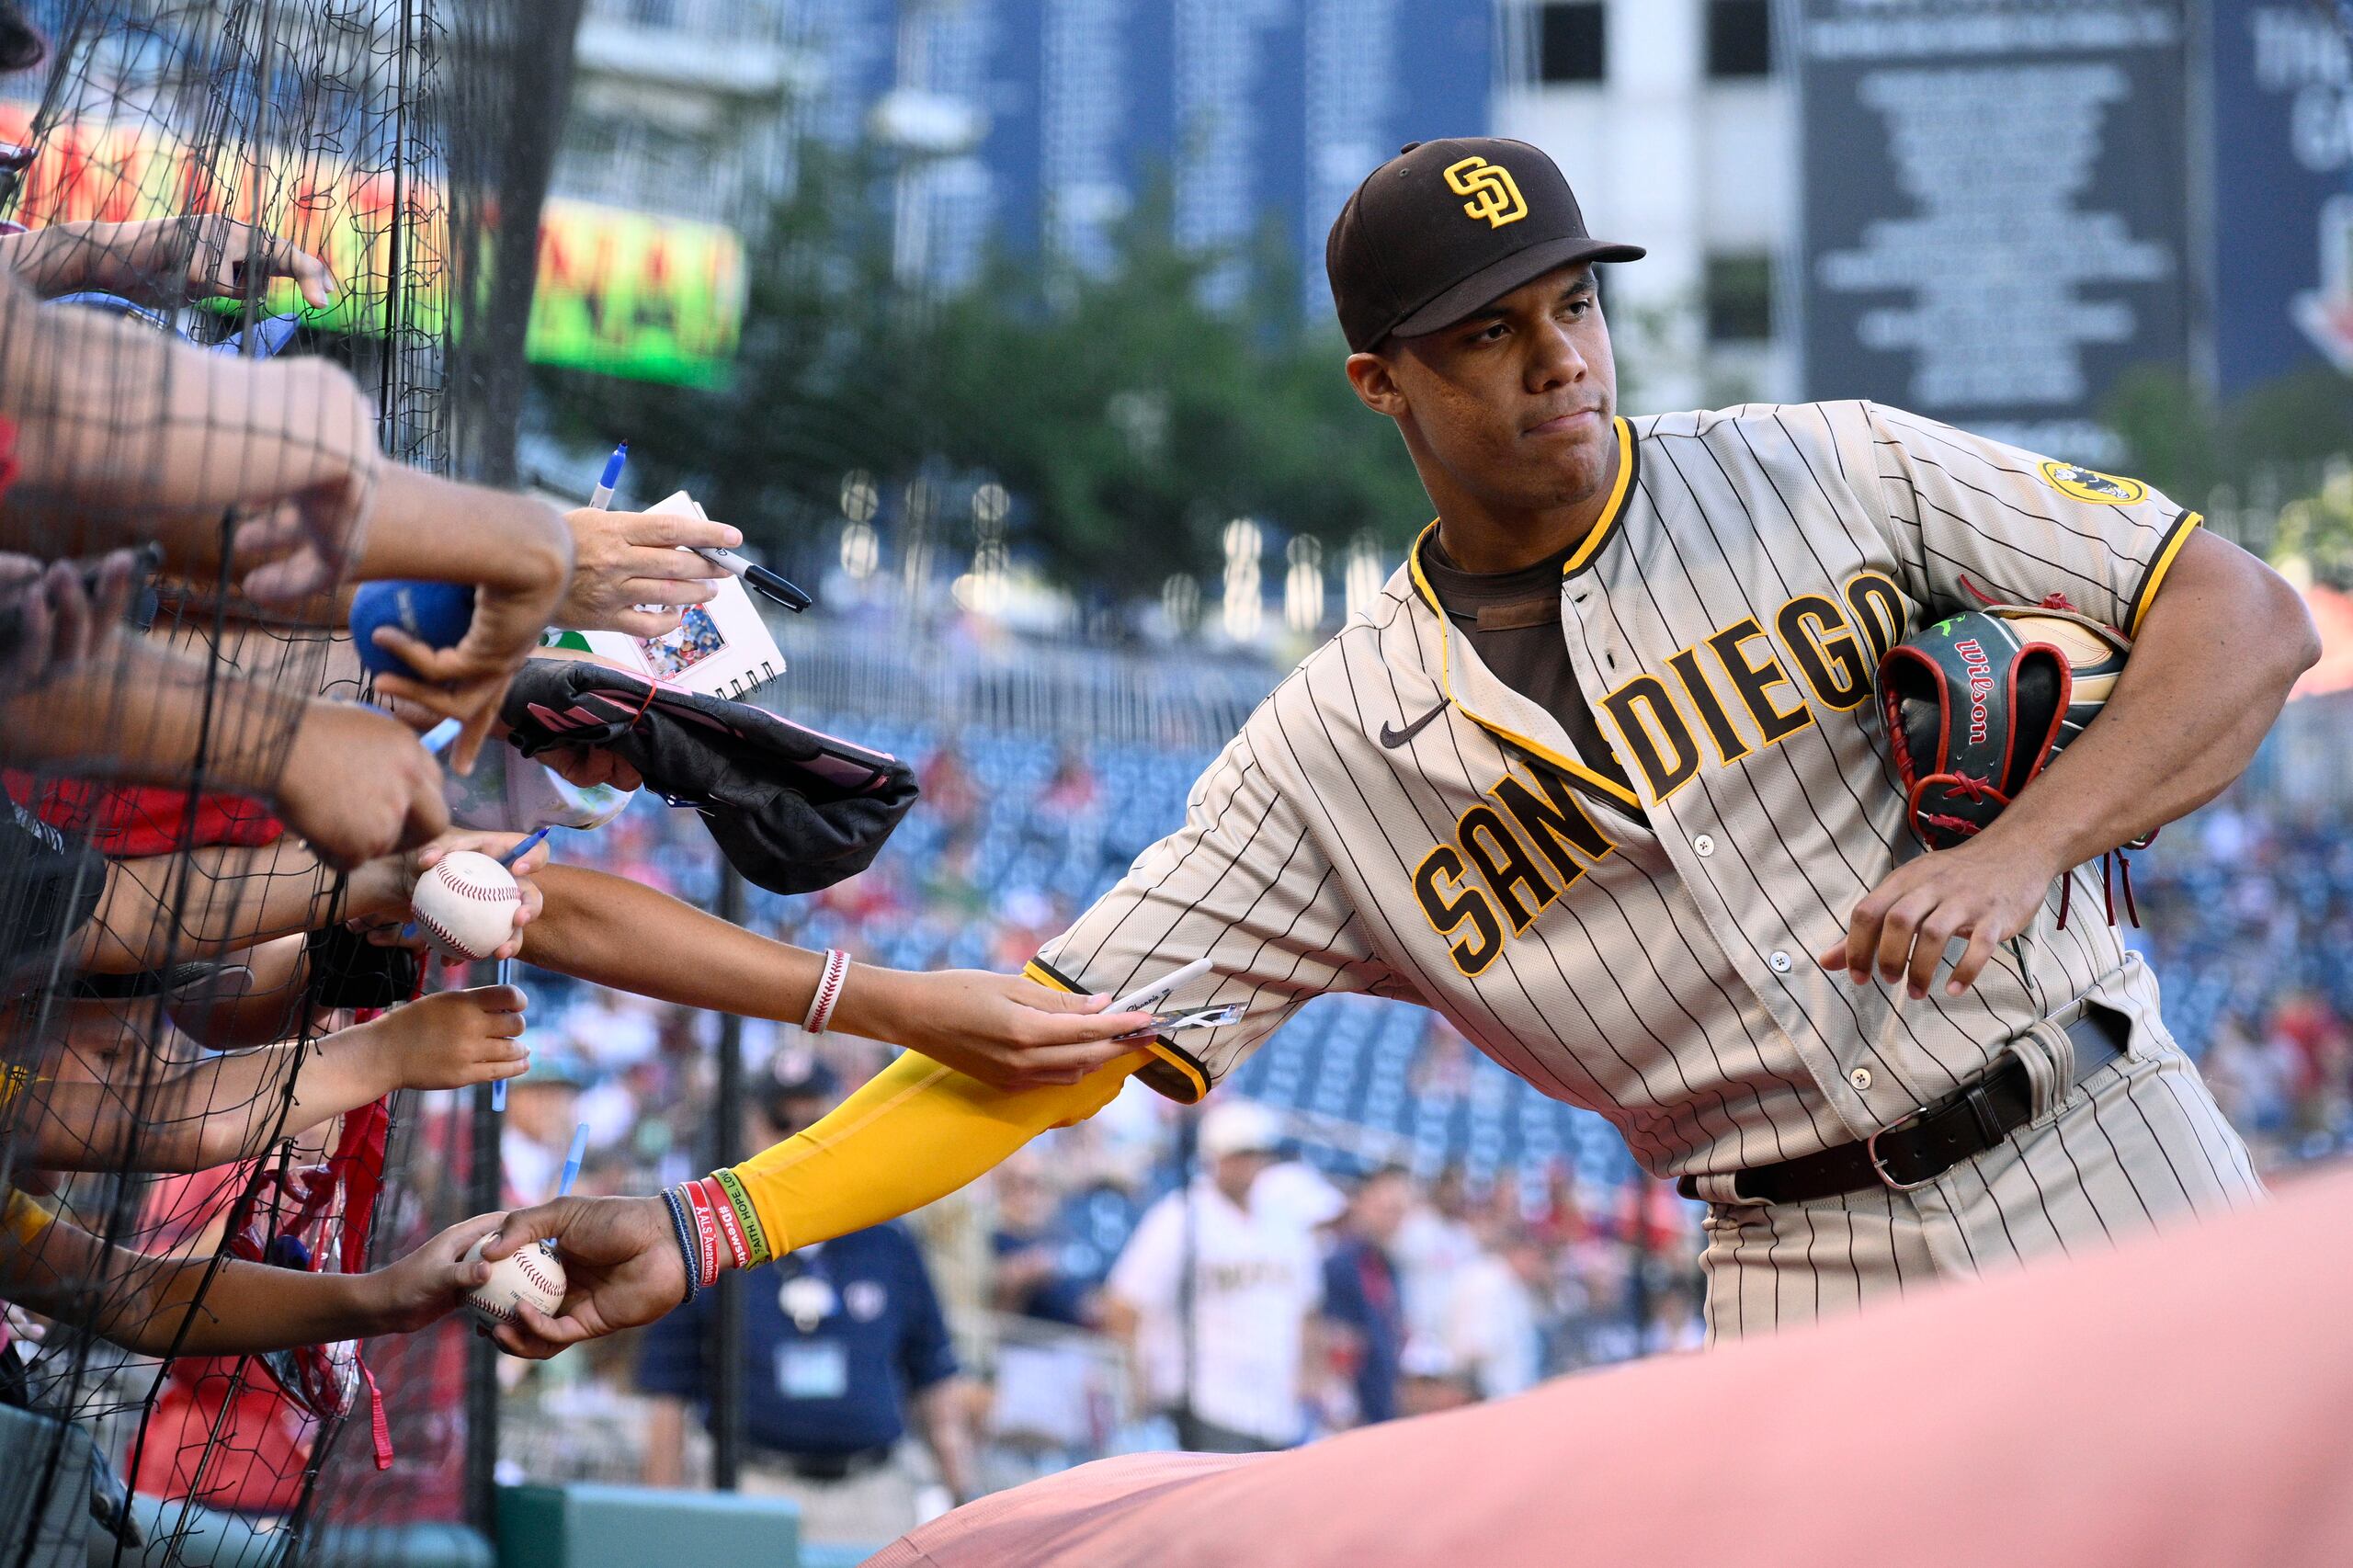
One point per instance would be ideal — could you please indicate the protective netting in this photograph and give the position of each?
(176, 1018)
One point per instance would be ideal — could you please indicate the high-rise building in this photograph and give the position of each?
(1675, 121)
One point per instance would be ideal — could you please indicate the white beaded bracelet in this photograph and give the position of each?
(829, 991)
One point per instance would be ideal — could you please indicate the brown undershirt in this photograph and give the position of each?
(1514, 619)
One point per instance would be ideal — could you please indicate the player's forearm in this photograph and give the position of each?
(915, 1133)
(2220, 645)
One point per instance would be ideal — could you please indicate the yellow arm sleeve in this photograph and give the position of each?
(915, 1132)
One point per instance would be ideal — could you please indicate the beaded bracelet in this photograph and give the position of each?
(685, 1236)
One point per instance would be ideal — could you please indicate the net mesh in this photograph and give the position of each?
(167, 158)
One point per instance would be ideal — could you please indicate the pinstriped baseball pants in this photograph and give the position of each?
(2137, 1146)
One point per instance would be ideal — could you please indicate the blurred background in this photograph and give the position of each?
(1001, 326)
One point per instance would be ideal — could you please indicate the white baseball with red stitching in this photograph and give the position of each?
(532, 1275)
(466, 904)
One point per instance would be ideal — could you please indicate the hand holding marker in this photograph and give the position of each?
(756, 576)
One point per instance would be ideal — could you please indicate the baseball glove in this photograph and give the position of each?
(1979, 703)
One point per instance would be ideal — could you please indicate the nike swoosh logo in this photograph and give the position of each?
(1392, 737)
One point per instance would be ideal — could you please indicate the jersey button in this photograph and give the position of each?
(1860, 1078)
(1703, 845)
(1781, 962)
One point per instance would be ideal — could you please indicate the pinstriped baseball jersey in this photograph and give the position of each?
(1394, 819)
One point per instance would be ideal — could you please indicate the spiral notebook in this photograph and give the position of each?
(721, 649)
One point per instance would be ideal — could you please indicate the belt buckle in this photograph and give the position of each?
(1879, 1167)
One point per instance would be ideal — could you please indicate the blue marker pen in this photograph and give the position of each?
(530, 843)
(602, 497)
(505, 976)
(572, 1160)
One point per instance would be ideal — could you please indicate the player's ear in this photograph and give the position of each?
(1376, 385)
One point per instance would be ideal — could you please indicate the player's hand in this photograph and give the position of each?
(1986, 891)
(422, 1287)
(1007, 1031)
(622, 1266)
(453, 1038)
(356, 785)
(623, 561)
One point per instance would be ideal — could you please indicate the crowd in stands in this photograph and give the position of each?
(2249, 916)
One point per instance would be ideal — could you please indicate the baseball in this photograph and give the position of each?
(466, 904)
(532, 1274)
(437, 614)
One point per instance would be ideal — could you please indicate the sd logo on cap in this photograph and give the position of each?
(1446, 227)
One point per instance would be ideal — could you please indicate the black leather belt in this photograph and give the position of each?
(1922, 1147)
(837, 1466)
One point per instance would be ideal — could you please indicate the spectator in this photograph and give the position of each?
(1433, 1247)
(953, 799)
(839, 1340)
(1031, 1246)
(1214, 1295)
(1363, 1293)
(1495, 1315)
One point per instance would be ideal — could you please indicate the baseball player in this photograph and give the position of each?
(1599, 777)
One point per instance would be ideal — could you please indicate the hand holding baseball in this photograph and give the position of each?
(622, 1263)
(382, 896)
(467, 903)
(468, 680)
(529, 1276)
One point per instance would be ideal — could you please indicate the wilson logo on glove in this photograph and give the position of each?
(2030, 676)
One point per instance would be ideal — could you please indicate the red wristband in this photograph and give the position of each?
(731, 1225)
(706, 1231)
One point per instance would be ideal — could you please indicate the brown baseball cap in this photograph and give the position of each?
(1448, 226)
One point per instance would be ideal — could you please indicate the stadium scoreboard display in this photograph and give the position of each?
(1995, 218)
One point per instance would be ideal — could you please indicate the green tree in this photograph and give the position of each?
(1128, 420)
(2188, 445)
